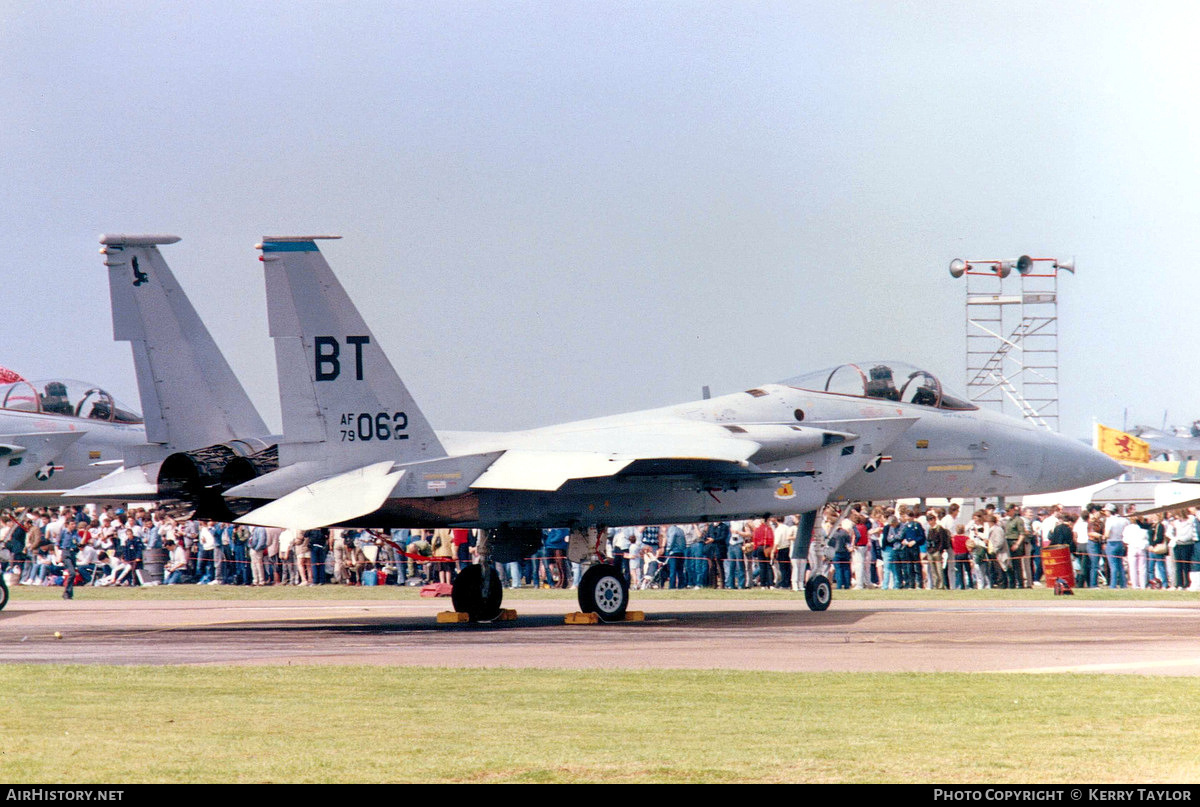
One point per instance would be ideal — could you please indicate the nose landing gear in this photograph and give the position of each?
(818, 593)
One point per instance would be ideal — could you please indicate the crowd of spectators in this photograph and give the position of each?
(859, 546)
(942, 548)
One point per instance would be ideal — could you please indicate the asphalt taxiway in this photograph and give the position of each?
(1054, 636)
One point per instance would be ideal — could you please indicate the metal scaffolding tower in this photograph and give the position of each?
(1012, 336)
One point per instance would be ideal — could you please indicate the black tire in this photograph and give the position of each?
(472, 597)
(603, 591)
(818, 593)
(3, 592)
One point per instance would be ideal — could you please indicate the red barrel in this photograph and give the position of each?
(1056, 564)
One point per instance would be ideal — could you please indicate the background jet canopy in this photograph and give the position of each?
(66, 397)
(885, 380)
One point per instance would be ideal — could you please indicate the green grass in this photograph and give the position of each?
(334, 593)
(335, 724)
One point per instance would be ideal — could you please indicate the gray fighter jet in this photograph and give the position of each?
(56, 434)
(1177, 444)
(357, 451)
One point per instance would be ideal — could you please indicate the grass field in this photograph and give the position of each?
(335, 724)
(352, 723)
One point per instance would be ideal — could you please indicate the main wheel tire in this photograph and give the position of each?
(603, 591)
(3, 592)
(472, 597)
(818, 593)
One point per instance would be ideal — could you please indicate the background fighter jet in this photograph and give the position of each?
(1177, 444)
(1164, 456)
(202, 433)
(56, 434)
(1162, 462)
(357, 450)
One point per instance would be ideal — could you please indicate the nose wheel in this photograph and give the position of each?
(477, 592)
(818, 593)
(602, 591)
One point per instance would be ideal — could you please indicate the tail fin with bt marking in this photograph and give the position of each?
(343, 404)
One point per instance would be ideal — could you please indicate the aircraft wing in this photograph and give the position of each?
(550, 469)
(542, 462)
(1175, 470)
(344, 496)
(1171, 506)
(551, 459)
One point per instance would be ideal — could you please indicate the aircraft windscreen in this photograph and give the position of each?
(66, 397)
(885, 380)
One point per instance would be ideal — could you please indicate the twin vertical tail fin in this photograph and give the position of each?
(343, 404)
(190, 397)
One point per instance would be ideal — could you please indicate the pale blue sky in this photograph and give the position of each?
(557, 210)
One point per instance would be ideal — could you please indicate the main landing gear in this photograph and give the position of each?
(478, 592)
(603, 592)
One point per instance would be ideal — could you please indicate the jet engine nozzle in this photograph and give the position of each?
(199, 478)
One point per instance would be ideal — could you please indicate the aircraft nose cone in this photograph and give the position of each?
(1070, 464)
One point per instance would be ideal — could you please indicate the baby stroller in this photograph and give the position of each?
(655, 575)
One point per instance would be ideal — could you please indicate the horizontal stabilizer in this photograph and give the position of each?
(333, 500)
(48, 497)
(124, 485)
(445, 476)
(279, 483)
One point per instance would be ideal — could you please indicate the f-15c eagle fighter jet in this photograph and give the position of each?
(356, 449)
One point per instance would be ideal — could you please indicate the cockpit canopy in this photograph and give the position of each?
(66, 397)
(885, 380)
